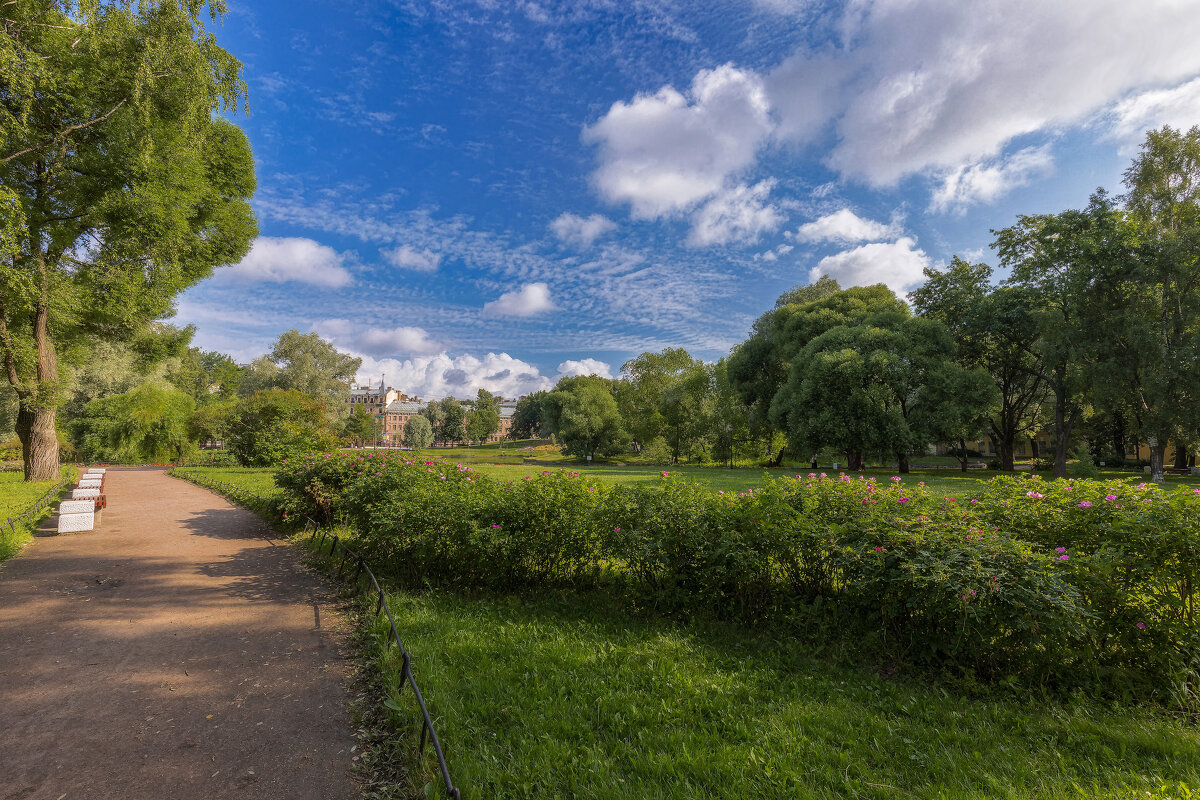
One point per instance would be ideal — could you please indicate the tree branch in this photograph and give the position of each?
(66, 132)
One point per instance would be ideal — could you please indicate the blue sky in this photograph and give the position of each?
(475, 193)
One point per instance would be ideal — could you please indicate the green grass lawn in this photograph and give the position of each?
(570, 697)
(16, 496)
(258, 481)
(545, 698)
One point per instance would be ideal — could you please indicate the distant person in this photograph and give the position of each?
(814, 462)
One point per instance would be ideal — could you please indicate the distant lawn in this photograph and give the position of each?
(258, 481)
(16, 496)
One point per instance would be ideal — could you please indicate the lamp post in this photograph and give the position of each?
(729, 433)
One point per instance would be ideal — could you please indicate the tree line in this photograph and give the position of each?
(1093, 334)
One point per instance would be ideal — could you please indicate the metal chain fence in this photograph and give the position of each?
(265, 505)
(36, 509)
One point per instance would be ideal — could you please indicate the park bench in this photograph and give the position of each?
(82, 511)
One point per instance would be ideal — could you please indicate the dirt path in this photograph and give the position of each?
(175, 652)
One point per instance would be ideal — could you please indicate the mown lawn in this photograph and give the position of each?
(546, 698)
(16, 496)
(569, 697)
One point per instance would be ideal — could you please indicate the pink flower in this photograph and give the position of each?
(896, 478)
(974, 501)
(949, 499)
(1141, 626)
(1110, 497)
(494, 525)
(813, 475)
(903, 499)
(666, 474)
(822, 474)
(1064, 557)
(1085, 504)
(1034, 495)
(1060, 549)
(616, 530)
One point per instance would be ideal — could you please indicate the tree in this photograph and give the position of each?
(527, 417)
(758, 368)
(119, 187)
(1054, 259)
(484, 419)
(649, 377)
(418, 434)
(305, 362)
(581, 411)
(211, 422)
(447, 418)
(886, 385)
(1156, 295)
(359, 427)
(154, 423)
(149, 422)
(994, 328)
(277, 424)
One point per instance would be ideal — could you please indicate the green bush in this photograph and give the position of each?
(273, 425)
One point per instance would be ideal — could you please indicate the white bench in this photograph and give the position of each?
(77, 515)
(79, 494)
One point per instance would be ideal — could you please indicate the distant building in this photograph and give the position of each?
(393, 409)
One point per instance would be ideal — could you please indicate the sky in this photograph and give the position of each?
(497, 193)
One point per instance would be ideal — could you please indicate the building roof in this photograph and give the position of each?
(404, 407)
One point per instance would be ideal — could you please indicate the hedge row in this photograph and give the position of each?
(1071, 584)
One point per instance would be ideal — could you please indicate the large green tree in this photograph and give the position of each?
(759, 367)
(583, 414)
(119, 184)
(1055, 259)
(1153, 298)
(886, 385)
(484, 417)
(527, 417)
(304, 362)
(994, 328)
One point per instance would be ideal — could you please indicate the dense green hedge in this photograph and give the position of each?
(1069, 584)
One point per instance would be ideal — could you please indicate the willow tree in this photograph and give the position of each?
(119, 185)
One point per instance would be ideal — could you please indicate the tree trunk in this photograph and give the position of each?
(962, 453)
(1156, 458)
(854, 460)
(1062, 423)
(39, 444)
(1181, 457)
(902, 463)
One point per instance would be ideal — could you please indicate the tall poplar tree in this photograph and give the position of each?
(119, 185)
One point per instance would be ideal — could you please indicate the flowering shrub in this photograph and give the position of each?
(1067, 583)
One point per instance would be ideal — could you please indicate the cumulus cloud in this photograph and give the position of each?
(376, 341)
(406, 257)
(588, 366)
(738, 214)
(1178, 107)
(897, 264)
(845, 227)
(985, 182)
(665, 152)
(280, 260)
(923, 85)
(530, 299)
(581, 231)
(443, 375)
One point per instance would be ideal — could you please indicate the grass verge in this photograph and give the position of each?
(18, 497)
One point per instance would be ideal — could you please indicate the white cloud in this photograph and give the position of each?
(279, 260)
(406, 257)
(738, 214)
(924, 85)
(376, 341)
(588, 366)
(1178, 107)
(845, 226)
(664, 153)
(530, 299)
(985, 182)
(897, 264)
(443, 375)
(580, 231)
